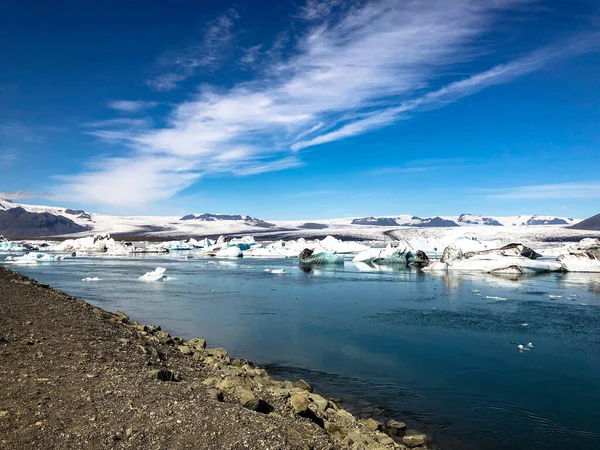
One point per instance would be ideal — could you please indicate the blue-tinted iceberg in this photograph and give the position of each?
(308, 256)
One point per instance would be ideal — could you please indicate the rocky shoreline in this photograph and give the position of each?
(74, 375)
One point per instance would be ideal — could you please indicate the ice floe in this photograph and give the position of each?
(34, 258)
(91, 279)
(99, 243)
(157, 274)
(582, 257)
(512, 259)
(308, 256)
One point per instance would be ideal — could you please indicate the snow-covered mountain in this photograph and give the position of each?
(206, 224)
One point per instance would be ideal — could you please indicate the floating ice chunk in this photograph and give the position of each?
(475, 291)
(278, 271)
(583, 257)
(554, 297)
(310, 257)
(157, 274)
(524, 324)
(100, 243)
(529, 345)
(34, 258)
(229, 252)
(388, 255)
(91, 279)
(520, 347)
(491, 297)
(267, 270)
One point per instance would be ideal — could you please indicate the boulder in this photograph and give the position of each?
(321, 402)
(395, 428)
(219, 353)
(184, 349)
(415, 440)
(164, 375)
(303, 385)
(197, 344)
(371, 424)
(299, 402)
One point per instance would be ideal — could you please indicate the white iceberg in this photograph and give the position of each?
(278, 271)
(512, 259)
(157, 274)
(583, 257)
(34, 258)
(338, 246)
(99, 243)
(91, 279)
(229, 252)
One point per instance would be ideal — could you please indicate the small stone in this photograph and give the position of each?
(216, 394)
(415, 440)
(219, 353)
(184, 349)
(299, 402)
(3, 413)
(29, 323)
(371, 424)
(334, 430)
(165, 375)
(128, 431)
(303, 385)
(394, 427)
(248, 400)
(39, 424)
(197, 356)
(198, 344)
(121, 316)
(384, 439)
(321, 402)
(227, 383)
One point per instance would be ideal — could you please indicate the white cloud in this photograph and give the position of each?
(364, 69)
(206, 54)
(16, 195)
(131, 105)
(250, 55)
(588, 190)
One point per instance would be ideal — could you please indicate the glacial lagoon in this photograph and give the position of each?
(424, 348)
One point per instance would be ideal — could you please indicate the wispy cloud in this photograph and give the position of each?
(120, 122)
(131, 105)
(359, 69)
(250, 55)
(8, 157)
(206, 54)
(588, 190)
(16, 195)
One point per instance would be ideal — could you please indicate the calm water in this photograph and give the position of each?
(413, 346)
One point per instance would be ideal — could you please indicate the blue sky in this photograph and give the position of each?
(308, 109)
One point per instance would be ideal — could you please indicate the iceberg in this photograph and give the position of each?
(157, 274)
(91, 279)
(332, 244)
(99, 243)
(512, 259)
(392, 254)
(229, 252)
(34, 258)
(582, 257)
(178, 245)
(308, 256)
